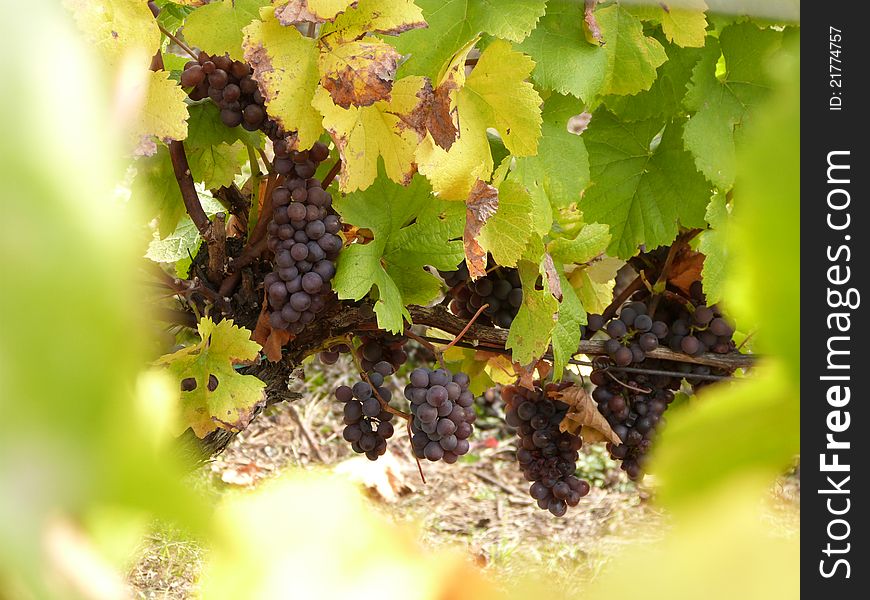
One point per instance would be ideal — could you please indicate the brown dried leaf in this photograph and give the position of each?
(434, 114)
(272, 340)
(686, 269)
(482, 203)
(583, 412)
(553, 280)
(591, 28)
(295, 11)
(358, 73)
(299, 11)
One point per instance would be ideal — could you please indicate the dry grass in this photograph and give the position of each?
(480, 504)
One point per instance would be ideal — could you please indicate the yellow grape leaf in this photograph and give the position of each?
(376, 16)
(116, 27)
(495, 94)
(311, 11)
(285, 66)
(583, 413)
(686, 25)
(594, 283)
(362, 134)
(164, 112)
(329, 9)
(358, 73)
(220, 397)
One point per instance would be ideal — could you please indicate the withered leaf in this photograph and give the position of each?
(686, 269)
(272, 340)
(553, 280)
(583, 413)
(591, 28)
(358, 73)
(482, 203)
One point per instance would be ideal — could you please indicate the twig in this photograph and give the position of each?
(466, 328)
(249, 254)
(414, 454)
(177, 42)
(176, 317)
(181, 168)
(315, 447)
(426, 343)
(622, 297)
(331, 175)
(746, 339)
(625, 385)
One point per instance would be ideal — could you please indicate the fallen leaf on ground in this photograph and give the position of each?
(382, 477)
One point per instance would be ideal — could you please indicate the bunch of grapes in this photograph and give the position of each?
(632, 334)
(303, 235)
(383, 346)
(547, 456)
(230, 84)
(690, 327)
(500, 288)
(633, 415)
(367, 425)
(634, 407)
(443, 414)
(374, 347)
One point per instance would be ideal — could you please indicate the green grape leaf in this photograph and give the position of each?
(626, 64)
(172, 15)
(453, 23)
(215, 152)
(285, 66)
(712, 244)
(664, 99)
(364, 133)
(723, 105)
(179, 245)
(412, 229)
(233, 402)
(375, 16)
(560, 170)
(217, 27)
(155, 190)
(495, 95)
(642, 187)
(529, 335)
(589, 243)
(506, 234)
(566, 332)
(116, 28)
(686, 25)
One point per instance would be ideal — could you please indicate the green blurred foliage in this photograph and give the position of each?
(75, 441)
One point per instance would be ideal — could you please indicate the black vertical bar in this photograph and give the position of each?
(835, 242)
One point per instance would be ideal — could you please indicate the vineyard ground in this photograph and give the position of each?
(479, 504)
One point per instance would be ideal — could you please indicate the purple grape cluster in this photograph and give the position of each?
(304, 237)
(547, 456)
(634, 416)
(500, 288)
(367, 425)
(229, 83)
(443, 414)
(373, 349)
